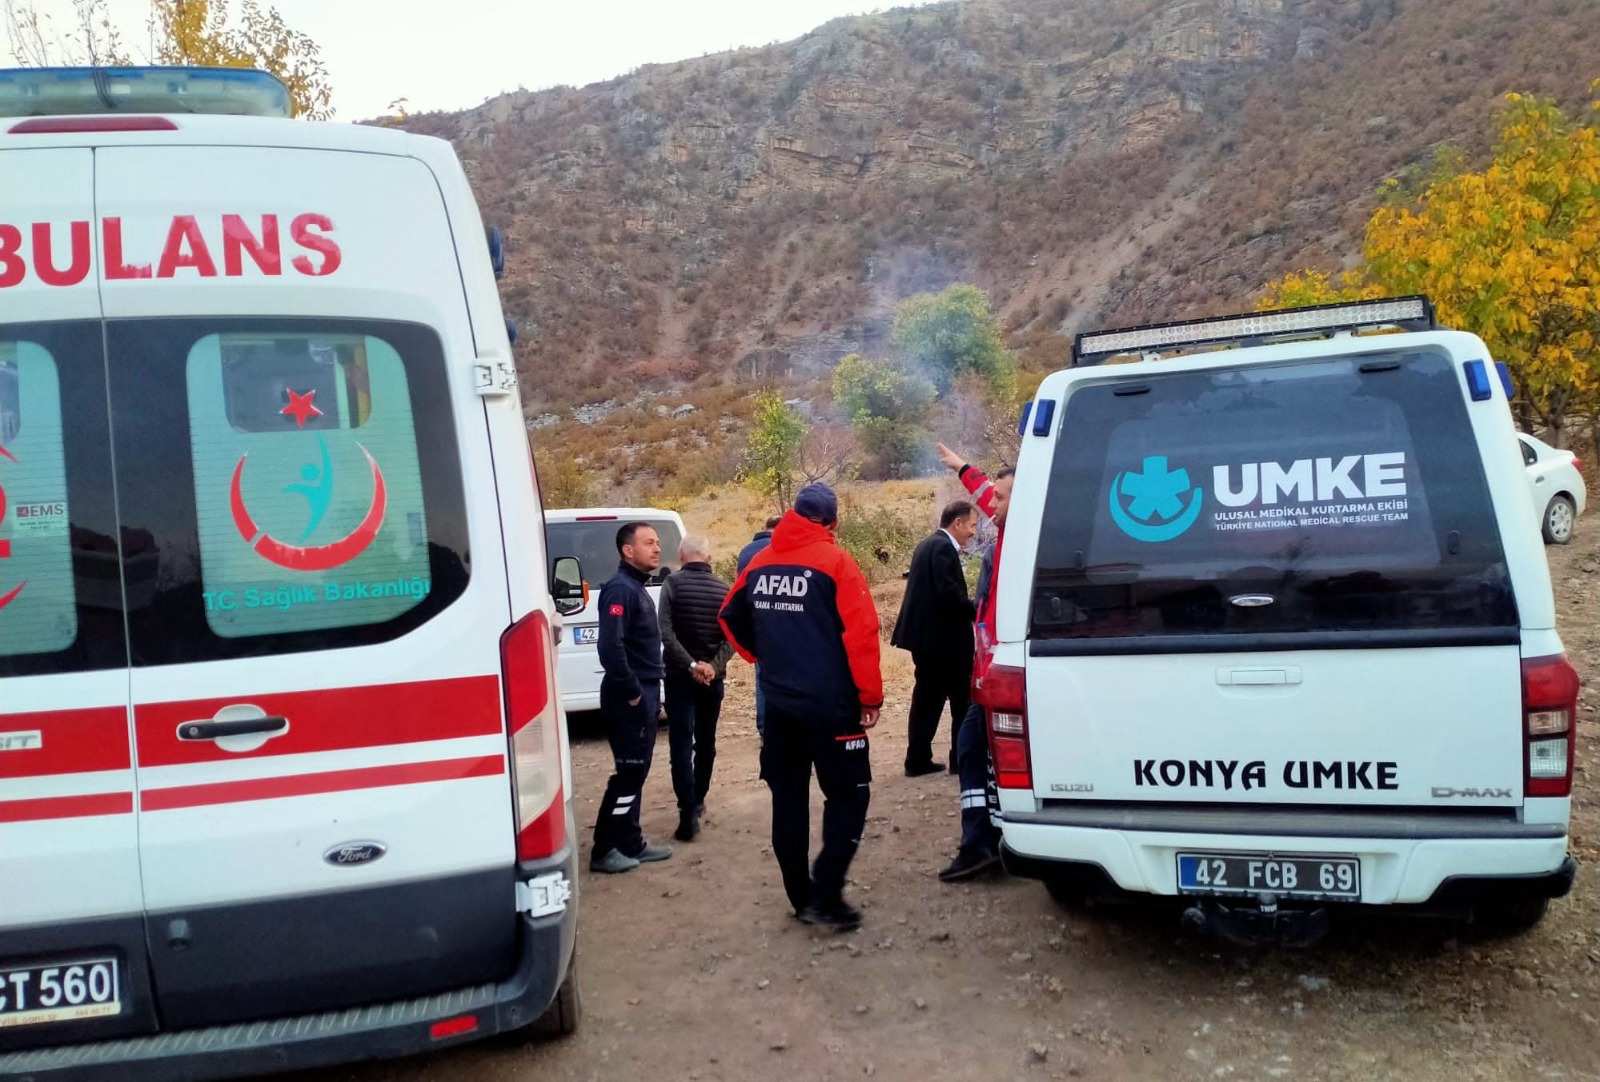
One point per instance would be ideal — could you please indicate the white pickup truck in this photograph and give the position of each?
(1275, 629)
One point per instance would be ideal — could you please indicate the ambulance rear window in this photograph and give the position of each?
(312, 497)
(38, 599)
(1254, 507)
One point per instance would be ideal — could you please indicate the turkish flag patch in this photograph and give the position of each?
(616, 610)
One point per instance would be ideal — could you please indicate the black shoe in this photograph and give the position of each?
(841, 916)
(923, 769)
(688, 827)
(968, 863)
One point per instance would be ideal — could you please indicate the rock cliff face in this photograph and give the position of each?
(1088, 161)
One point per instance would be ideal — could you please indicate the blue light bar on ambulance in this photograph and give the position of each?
(29, 92)
(1411, 313)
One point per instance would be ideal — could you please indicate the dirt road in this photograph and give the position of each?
(693, 969)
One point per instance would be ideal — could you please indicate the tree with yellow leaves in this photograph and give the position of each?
(1511, 253)
(202, 33)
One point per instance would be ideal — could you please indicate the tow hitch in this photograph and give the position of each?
(1252, 925)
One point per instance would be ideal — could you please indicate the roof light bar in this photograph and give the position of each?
(89, 91)
(1411, 313)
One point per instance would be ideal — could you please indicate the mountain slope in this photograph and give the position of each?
(1091, 162)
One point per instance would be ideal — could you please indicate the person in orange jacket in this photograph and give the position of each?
(979, 850)
(802, 608)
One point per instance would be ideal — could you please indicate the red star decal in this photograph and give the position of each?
(301, 407)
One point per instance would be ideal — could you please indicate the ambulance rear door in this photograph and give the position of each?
(326, 817)
(72, 955)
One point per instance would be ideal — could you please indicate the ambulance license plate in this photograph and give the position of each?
(59, 992)
(586, 633)
(1255, 873)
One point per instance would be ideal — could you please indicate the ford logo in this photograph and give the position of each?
(355, 853)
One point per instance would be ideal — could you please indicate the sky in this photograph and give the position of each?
(454, 54)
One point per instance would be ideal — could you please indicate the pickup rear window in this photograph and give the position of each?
(1338, 497)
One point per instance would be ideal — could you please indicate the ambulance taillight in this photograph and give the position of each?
(528, 667)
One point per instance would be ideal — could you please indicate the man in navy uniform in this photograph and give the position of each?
(630, 700)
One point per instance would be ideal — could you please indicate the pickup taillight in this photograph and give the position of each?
(1003, 691)
(1549, 723)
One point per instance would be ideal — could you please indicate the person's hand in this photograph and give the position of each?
(705, 672)
(869, 716)
(636, 702)
(950, 458)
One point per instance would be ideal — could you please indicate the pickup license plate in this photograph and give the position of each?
(1255, 873)
(59, 992)
(587, 633)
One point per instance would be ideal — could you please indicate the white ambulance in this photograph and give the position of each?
(1276, 633)
(283, 773)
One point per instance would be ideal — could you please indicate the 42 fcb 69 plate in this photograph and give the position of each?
(1323, 877)
(58, 992)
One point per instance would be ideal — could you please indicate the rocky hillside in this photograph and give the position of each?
(756, 214)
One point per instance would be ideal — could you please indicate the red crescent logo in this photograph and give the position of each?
(322, 557)
(8, 598)
(7, 454)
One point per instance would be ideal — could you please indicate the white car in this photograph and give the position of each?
(589, 535)
(1555, 483)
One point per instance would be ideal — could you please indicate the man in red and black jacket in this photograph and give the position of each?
(802, 608)
(980, 841)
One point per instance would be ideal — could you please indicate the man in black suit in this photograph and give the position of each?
(935, 624)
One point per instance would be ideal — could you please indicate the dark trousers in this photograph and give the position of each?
(692, 712)
(939, 680)
(837, 747)
(977, 783)
(632, 732)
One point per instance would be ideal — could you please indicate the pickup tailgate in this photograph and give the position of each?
(1428, 727)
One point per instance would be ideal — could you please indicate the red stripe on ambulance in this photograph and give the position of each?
(336, 719)
(65, 807)
(68, 742)
(332, 781)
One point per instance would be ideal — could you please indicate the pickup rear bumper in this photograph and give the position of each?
(1398, 869)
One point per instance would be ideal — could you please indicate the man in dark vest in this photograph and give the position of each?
(630, 700)
(935, 624)
(696, 655)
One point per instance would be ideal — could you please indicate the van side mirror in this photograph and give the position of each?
(567, 587)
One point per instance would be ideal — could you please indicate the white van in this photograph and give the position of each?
(589, 535)
(1276, 632)
(283, 773)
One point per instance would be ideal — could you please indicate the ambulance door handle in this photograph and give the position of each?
(212, 730)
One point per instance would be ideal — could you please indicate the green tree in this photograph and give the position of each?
(949, 334)
(888, 407)
(1511, 253)
(563, 481)
(773, 451)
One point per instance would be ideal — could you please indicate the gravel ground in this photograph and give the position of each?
(692, 969)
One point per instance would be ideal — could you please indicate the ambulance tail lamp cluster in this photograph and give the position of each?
(1549, 712)
(528, 669)
(106, 92)
(1004, 693)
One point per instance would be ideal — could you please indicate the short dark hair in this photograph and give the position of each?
(1009, 471)
(954, 511)
(772, 523)
(625, 534)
